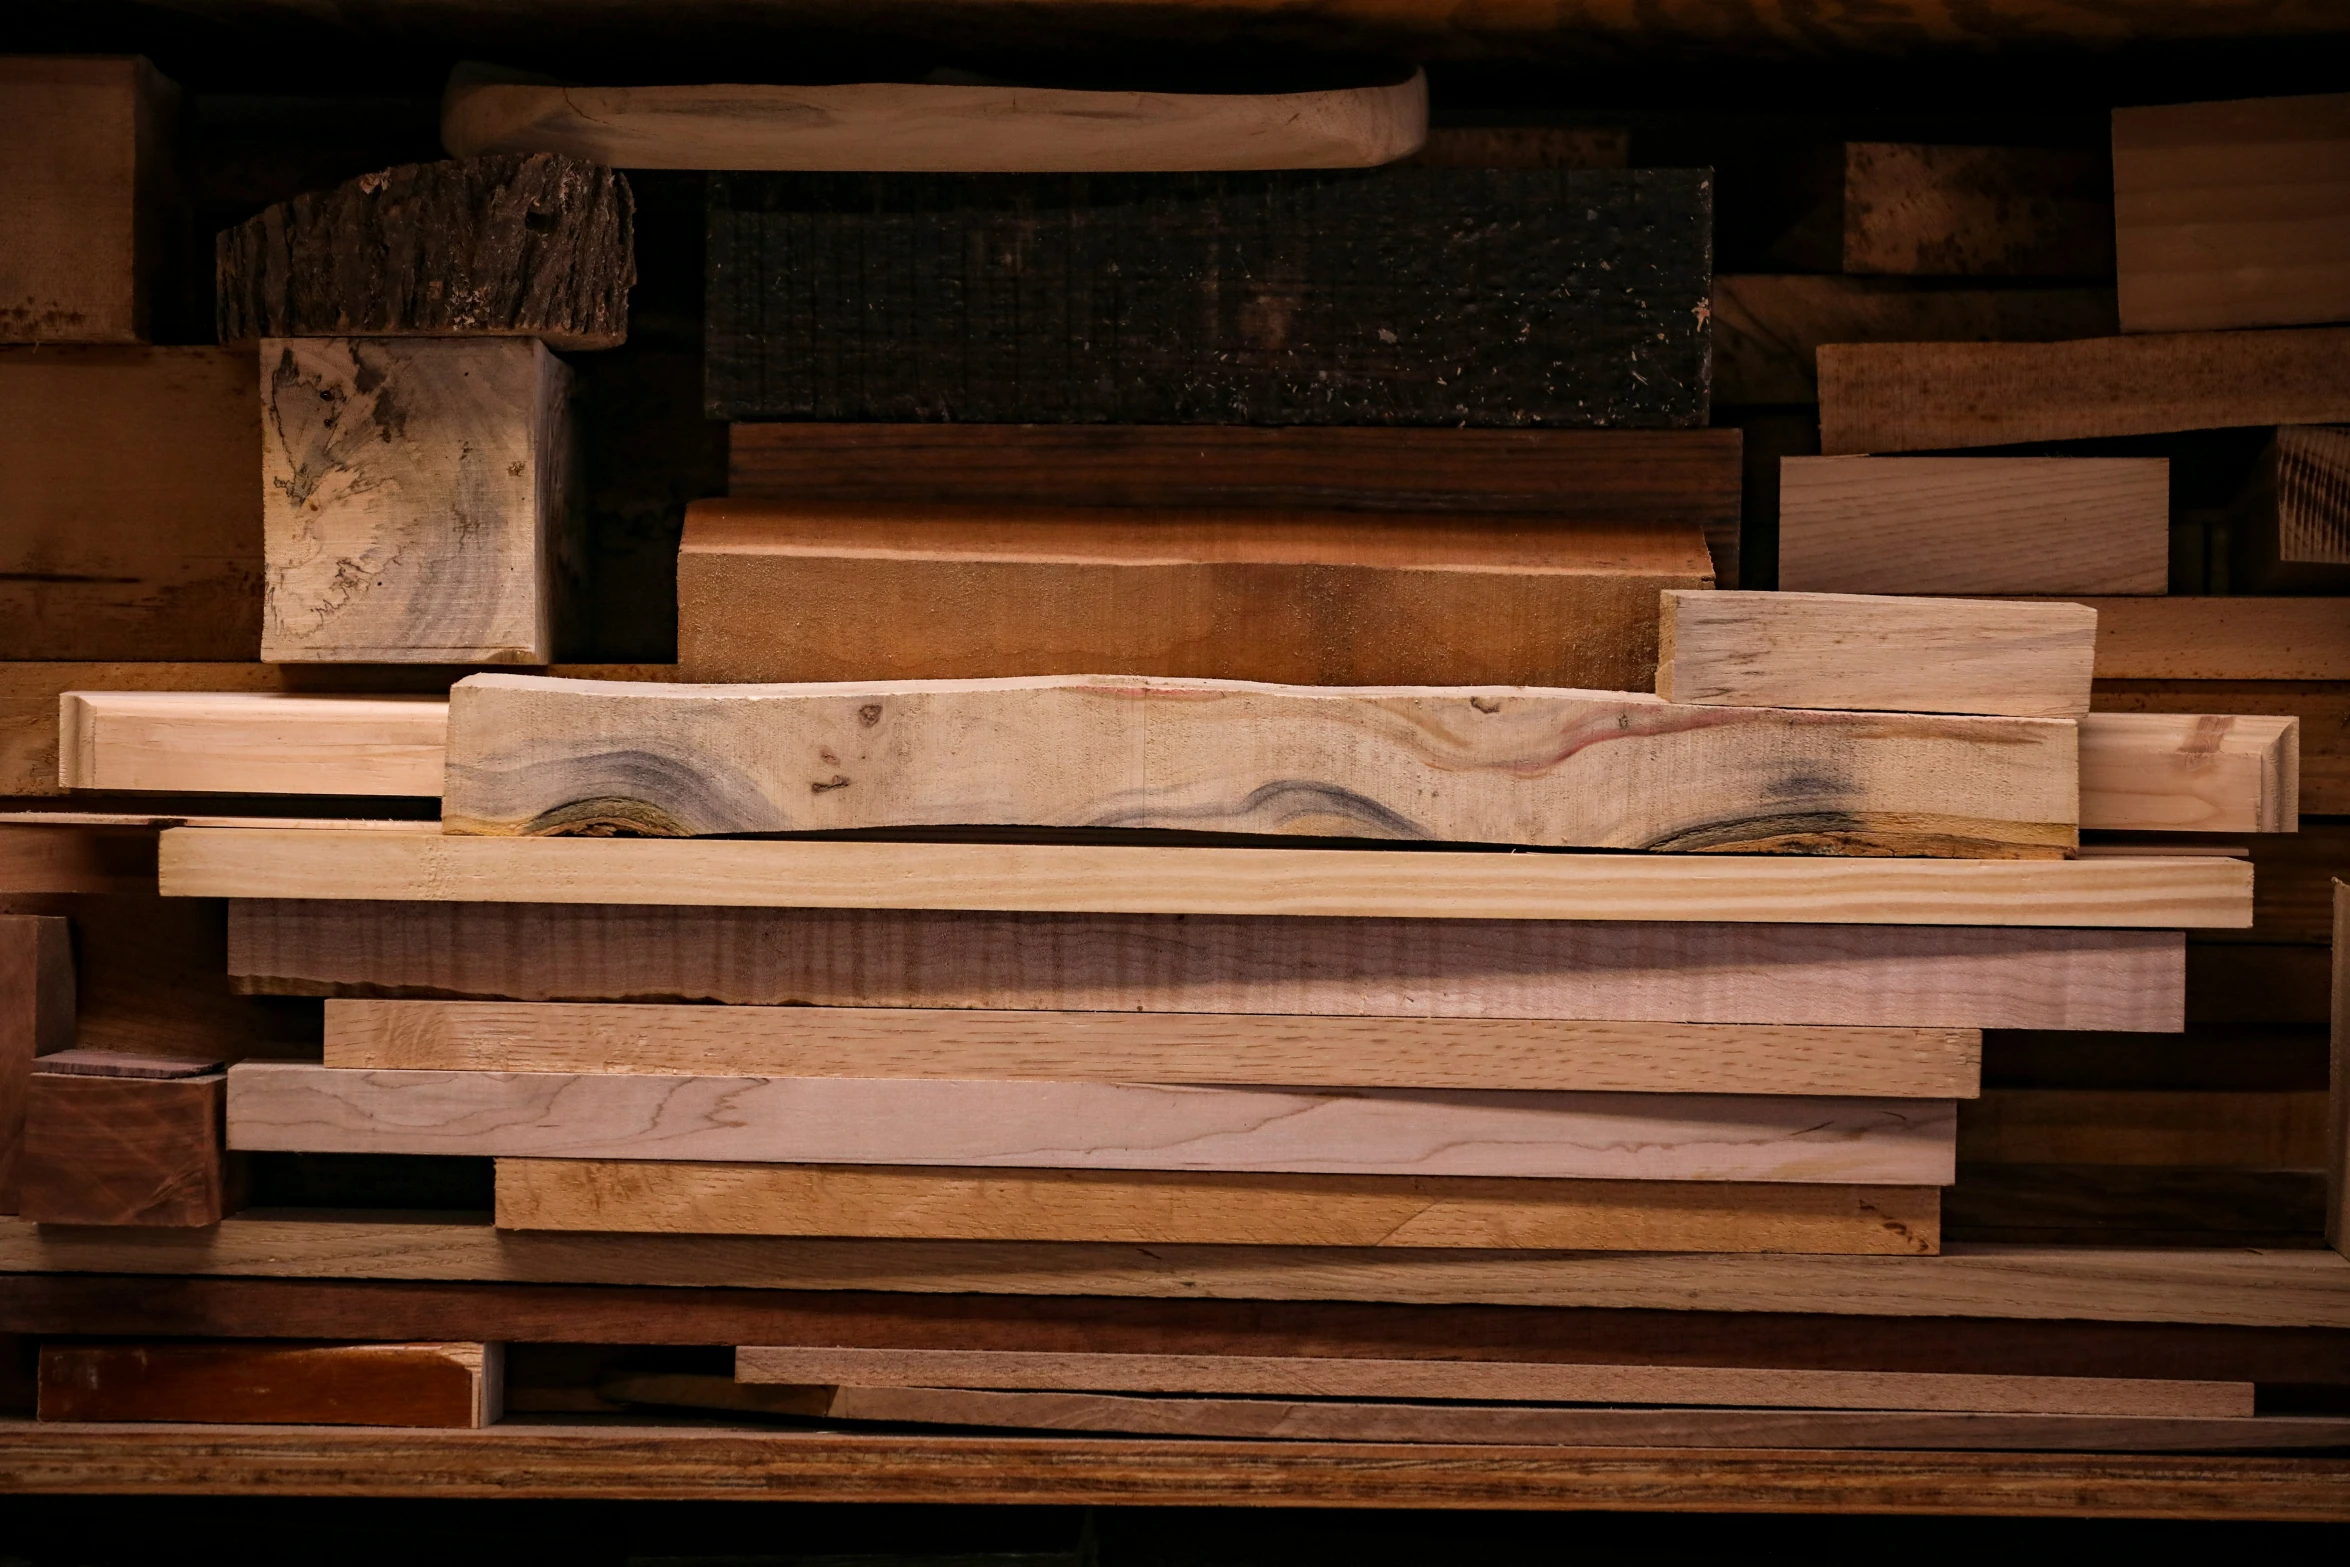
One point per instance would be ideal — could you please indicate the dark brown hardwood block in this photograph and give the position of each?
(126, 1151)
(457, 1385)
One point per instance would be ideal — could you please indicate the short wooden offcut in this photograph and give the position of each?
(225, 1382)
(126, 1150)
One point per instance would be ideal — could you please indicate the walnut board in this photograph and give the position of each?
(227, 1383)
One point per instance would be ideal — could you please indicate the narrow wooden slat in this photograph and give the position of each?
(251, 742)
(446, 1385)
(2323, 707)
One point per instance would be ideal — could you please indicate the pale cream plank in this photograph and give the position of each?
(2190, 772)
(251, 742)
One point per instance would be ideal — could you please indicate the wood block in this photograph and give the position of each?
(1768, 327)
(1848, 650)
(126, 1151)
(1103, 1126)
(532, 756)
(36, 1019)
(915, 297)
(1154, 1207)
(85, 177)
(1497, 1381)
(2233, 214)
(131, 478)
(1513, 1053)
(2289, 532)
(508, 246)
(932, 127)
(2187, 772)
(2244, 1129)
(1977, 211)
(1912, 397)
(2242, 638)
(417, 496)
(251, 742)
(883, 592)
(459, 1385)
(2323, 709)
(2146, 892)
(1856, 975)
(1974, 524)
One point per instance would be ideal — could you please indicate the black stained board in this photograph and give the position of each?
(1394, 296)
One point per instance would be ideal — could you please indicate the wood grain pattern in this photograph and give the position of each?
(125, 1151)
(416, 497)
(444, 1385)
(1974, 524)
(1488, 1380)
(1155, 1208)
(36, 1019)
(251, 742)
(1422, 1052)
(1849, 650)
(798, 591)
(2244, 638)
(1909, 397)
(2150, 892)
(2289, 531)
(2323, 709)
(928, 127)
(1077, 1125)
(84, 172)
(1977, 211)
(2232, 214)
(2218, 1129)
(2190, 772)
(533, 756)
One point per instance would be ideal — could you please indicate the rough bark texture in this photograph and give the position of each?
(514, 245)
(1401, 296)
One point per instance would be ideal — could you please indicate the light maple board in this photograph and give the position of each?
(2190, 772)
(1070, 1125)
(251, 742)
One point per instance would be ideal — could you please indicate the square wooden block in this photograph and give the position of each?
(124, 1150)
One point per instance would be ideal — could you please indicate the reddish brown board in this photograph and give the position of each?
(457, 1385)
(126, 1151)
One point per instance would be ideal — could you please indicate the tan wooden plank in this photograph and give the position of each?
(2151, 892)
(2292, 876)
(1212, 1208)
(1977, 211)
(2322, 707)
(1081, 1125)
(456, 1385)
(1849, 650)
(1974, 524)
(2232, 214)
(1910, 397)
(1494, 1381)
(2243, 638)
(2190, 772)
(2215, 1129)
(36, 1019)
(251, 742)
(535, 756)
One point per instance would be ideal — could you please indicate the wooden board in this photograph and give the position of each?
(1423, 1052)
(897, 297)
(458, 1385)
(2217, 1129)
(1848, 650)
(416, 499)
(801, 591)
(131, 478)
(1494, 1381)
(2222, 639)
(85, 166)
(2057, 525)
(532, 756)
(36, 1019)
(2289, 531)
(2233, 214)
(125, 1151)
(1977, 211)
(1911, 397)
(1102, 1126)
(2183, 772)
(930, 127)
(511, 246)
(1156, 1208)
(251, 742)
(2323, 709)
(2293, 876)
(1866, 975)
(55, 858)
(2150, 892)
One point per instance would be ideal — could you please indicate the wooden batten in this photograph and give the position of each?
(227, 1383)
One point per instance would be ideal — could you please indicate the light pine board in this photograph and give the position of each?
(2323, 708)
(1299, 1376)
(1912, 397)
(530, 755)
(1974, 524)
(1646, 972)
(85, 171)
(1425, 1052)
(2190, 772)
(1162, 1208)
(1848, 650)
(251, 742)
(2232, 214)
(1115, 1126)
(1977, 211)
(2241, 638)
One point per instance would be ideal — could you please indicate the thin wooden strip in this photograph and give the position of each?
(443, 1385)
(2190, 772)
(251, 742)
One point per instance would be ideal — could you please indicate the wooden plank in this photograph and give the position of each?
(2240, 1129)
(432, 471)
(80, 1062)
(126, 1151)
(61, 858)
(511, 246)
(2057, 525)
(1910, 397)
(2232, 214)
(932, 127)
(2293, 874)
(2323, 709)
(1518, 308)
(2338, 1082)
(2190, 772)
(131, 478)
(2222, 638)
(2289, 531)
(1425, 1052)
(798, 591)
(1102, 1126)
(2150, 892)
(84, 178)
(1977, 211)
(1488, 1381)
(449, 1385)
(251, 742)
(1214, 1209)
(36, 1019)
(532, 756)
(1843, 650)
